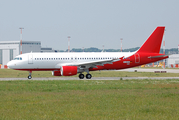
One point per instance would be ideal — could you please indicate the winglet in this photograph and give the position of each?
(153, 43)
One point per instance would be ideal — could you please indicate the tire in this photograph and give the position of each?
(81, 76)
(88, 76)
(29, 77)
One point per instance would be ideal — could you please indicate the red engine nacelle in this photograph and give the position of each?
(56, 73)
(69, 70)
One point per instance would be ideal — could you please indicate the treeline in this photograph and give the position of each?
(93, 49)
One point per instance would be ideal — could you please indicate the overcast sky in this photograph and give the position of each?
(90, 23)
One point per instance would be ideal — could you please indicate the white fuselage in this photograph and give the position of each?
(51, 61)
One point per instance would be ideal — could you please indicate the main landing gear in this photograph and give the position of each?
(88, 76)
(30, 73)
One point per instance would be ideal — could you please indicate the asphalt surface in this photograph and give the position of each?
(151, 70)
(94, 78)
(108, 78)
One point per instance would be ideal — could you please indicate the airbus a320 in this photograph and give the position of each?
(68, 63)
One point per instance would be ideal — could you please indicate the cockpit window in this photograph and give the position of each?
(18, 58)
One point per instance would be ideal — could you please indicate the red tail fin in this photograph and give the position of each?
(153, 43)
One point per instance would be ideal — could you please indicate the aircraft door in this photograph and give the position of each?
(30, 59)
(137, 58)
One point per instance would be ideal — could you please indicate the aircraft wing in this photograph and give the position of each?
(92, 64)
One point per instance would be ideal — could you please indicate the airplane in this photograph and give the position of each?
(69, 63)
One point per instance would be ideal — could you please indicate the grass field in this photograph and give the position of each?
(88, 99)
(9, 73)
(91, 100)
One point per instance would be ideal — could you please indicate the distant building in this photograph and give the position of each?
(10, 49)
(47, 50)
(173, 61)
(31, 46)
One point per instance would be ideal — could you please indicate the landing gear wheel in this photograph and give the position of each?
(29, 77)
(88, 76)
(81, 76)
(30, 73)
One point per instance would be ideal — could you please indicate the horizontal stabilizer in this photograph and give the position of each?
(159, 56)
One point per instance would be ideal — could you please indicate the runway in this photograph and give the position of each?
(150, 70)
(94, 78)
(109, 78)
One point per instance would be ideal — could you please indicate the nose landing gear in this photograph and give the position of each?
(30, 73)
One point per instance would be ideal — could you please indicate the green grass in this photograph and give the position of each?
(93, 100)
(9, 73)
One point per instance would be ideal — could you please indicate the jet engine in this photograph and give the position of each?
(69, 70)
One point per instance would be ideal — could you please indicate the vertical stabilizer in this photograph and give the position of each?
(153, 43)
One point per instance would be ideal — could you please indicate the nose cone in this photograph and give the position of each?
(10, 64)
